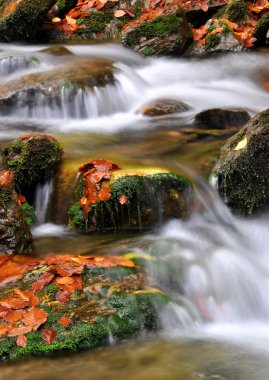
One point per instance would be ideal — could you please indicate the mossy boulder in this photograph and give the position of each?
(32, 159)
(235, 11)
(166, 34)
(15, 235)
(72, 303)
(55, 90)
(215, 43)
(20, 20)
(217, 118)
(140, 200)
(242, 170)
(163, 107)
(261, 29)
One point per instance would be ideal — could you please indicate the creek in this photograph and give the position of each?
(215, 264)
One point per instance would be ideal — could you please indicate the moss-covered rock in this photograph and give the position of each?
(261, 29)
(19, 20)
(105, 299)
(165, 34)
(37, 92)
(140, 200)
(64, 6)
(33, 159)
(15, 235)
(243, 179)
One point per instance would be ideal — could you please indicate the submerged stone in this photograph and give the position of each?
(19, 19)
(70, 303)
(163, 107)
(32, 159)
(139, 200)
(242, 170)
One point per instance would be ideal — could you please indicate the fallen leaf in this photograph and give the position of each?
(48, 335)
(35, 317)
(242, 144)
(21, 341)
(44, 280)
(64, 321)
(119, 13)
(123, 199)
(62, 296)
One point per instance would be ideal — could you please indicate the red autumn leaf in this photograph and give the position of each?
(12, 268)
(64, 321)
(13, 303)
(44, 280)
(17, 331)
(105, 193)
(6, 178)
(21, 341)
(70, 288)
(62, 296)
(48, 335)
(21, 199)
(123, 199)
(35, 318)
(3, 330)
(3, 311)
(14, 316)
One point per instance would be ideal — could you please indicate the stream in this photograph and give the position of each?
(215, 265)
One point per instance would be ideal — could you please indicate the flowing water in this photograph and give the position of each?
(214, 266)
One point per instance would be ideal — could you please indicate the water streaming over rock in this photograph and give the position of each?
(42, 199)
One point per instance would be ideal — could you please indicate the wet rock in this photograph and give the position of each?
(198, 17)
(19, 20)
(221, 119)
(163, 107)
(166, 34)
(32, 159)
(215, 43)
(53, 93)
(64, 6)
(139, 200)
(242, 170)
(15, 235)
(261, 31)
(67, 303)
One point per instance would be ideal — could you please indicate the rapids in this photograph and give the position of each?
(215, 266)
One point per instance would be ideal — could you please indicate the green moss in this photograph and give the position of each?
(160, 26)
(95, 22)
(77, 217)
(237, 10)
(29, 213)
(261, 28)
(147, 50)
(211, 41)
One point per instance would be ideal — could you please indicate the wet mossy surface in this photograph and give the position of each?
(243, 179)
(112, 303)
(96, 22)
(32, 160)
(21, 23)
(150, 201)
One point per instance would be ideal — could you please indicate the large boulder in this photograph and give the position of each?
(66, 303)
(40, 94)
(15, 235)
(32, 159)
(242, 170)
(19, 19)
(110, 199)
(168, 33)
(217, 118)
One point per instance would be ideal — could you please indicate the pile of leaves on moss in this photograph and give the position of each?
(66, 303)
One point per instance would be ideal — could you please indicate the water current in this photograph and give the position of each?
(215, 266)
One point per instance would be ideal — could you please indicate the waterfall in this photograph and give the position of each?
(41, 201)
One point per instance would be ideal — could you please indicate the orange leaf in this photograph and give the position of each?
(35, 318)
(65, 280)
(62, 296)
(17, 331)
(13, 303)
(6, 178)
(119, 13)
(14, 316)
(21, 341)
(44, 280)
(123, 199)
(64, 321)
(48, 335)
(105, 193)
(3, 330)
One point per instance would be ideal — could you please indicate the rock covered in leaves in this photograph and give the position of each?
(32, 159)
(15, 235)
(166, 33)
(163, 107)
(56, 90)
(217, 118)
(66, 303)
(19, 19)
(242, 170)
(111, 199)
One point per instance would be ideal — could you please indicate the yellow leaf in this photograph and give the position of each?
(134, 255)
(70, 20)
(148, 291)
(242, 144)
(56, 19)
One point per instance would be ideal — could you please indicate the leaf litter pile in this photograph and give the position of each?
(22, 307)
